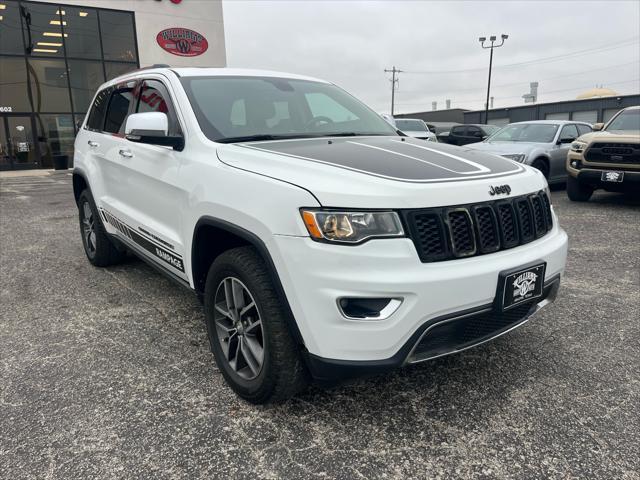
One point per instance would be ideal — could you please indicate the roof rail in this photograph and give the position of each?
(155, 65)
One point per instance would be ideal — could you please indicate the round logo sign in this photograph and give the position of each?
(182, 42)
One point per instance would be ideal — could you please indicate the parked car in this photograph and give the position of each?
(543, 144)
(323, 244)
(472, 133)
(389, 119)
(416, 128)
(608, 158)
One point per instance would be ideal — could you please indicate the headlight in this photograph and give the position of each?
(351, 227)
(578, 146)
(516, 157)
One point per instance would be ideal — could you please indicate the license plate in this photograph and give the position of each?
(615, 177)
(521, 285)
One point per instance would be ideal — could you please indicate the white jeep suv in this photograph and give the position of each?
(324, 243)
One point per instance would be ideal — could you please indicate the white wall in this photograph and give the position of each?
(153, 16)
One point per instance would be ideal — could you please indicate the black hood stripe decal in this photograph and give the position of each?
(390, 158)
(478, 168)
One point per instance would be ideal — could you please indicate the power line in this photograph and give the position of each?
(518, 96)
(623, 43)
(452, 92)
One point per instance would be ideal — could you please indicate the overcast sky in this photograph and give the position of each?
(351, 43)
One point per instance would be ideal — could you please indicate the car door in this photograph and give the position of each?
(473, 134)
(557, 169)
(456, 136)
(150, 194)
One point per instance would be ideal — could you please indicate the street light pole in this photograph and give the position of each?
(492, 39)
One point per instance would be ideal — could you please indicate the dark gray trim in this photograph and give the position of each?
(262, 249)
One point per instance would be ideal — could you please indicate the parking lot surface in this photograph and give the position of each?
(106, 373)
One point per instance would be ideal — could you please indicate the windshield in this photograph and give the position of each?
(627, 120)
(411, 125)
(490, 129)
(525, 132)
(234, 108)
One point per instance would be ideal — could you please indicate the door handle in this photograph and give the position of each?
(125, 153)
(91, 143)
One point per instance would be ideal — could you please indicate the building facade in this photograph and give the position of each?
(590, 110)
(54, 55)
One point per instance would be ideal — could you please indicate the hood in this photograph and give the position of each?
(622, 135)
(501, 148)
(418, 133)
(382, 172)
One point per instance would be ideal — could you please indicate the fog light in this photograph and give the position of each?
(575, 163)
(355, 308)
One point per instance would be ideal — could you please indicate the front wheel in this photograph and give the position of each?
(541, 165)
(98, 247)
(576, 191)
(247, 329)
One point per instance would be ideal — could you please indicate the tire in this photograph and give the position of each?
(577, 192)
(236, 279)
(98, 247)
(541, 165)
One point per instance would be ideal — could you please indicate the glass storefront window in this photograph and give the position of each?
(14, 96)
(118, 38)
(43, 29)
(10, 29)
(114, 69)
(85, 78)
(22, 148)
(53, 58)
(49, 86)
(55, 136)
(82, 38)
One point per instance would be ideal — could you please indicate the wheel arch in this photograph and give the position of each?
(212, 237)
(80, 183)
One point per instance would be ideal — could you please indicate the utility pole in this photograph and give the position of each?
(492, 39)
(394, 82)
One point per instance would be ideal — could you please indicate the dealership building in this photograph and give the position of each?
(54, 55)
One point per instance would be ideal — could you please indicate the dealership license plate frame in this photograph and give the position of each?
(619, 177)
(505, 296)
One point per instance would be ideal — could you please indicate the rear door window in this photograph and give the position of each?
(118, 109)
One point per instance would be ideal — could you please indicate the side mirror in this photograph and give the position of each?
(566, 140)
(151, 128)
(597, 126)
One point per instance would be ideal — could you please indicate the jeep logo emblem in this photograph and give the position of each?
(499, 189)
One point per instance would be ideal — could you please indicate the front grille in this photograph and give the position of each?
(458, 334)
(622, 153)
(467, 230)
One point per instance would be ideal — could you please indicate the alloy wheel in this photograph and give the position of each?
(239, 328)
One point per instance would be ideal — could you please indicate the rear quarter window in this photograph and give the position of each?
(95, 119)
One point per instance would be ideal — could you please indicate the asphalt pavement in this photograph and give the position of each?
(106, 373)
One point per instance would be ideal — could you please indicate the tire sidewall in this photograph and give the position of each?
(85, 197)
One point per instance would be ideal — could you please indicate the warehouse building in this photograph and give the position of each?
(590, 109)
(53, 56)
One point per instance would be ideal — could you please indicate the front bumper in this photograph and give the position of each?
(591, 174)
(438, 337)
(314, 275)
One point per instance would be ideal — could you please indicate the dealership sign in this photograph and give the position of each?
(182, 42)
